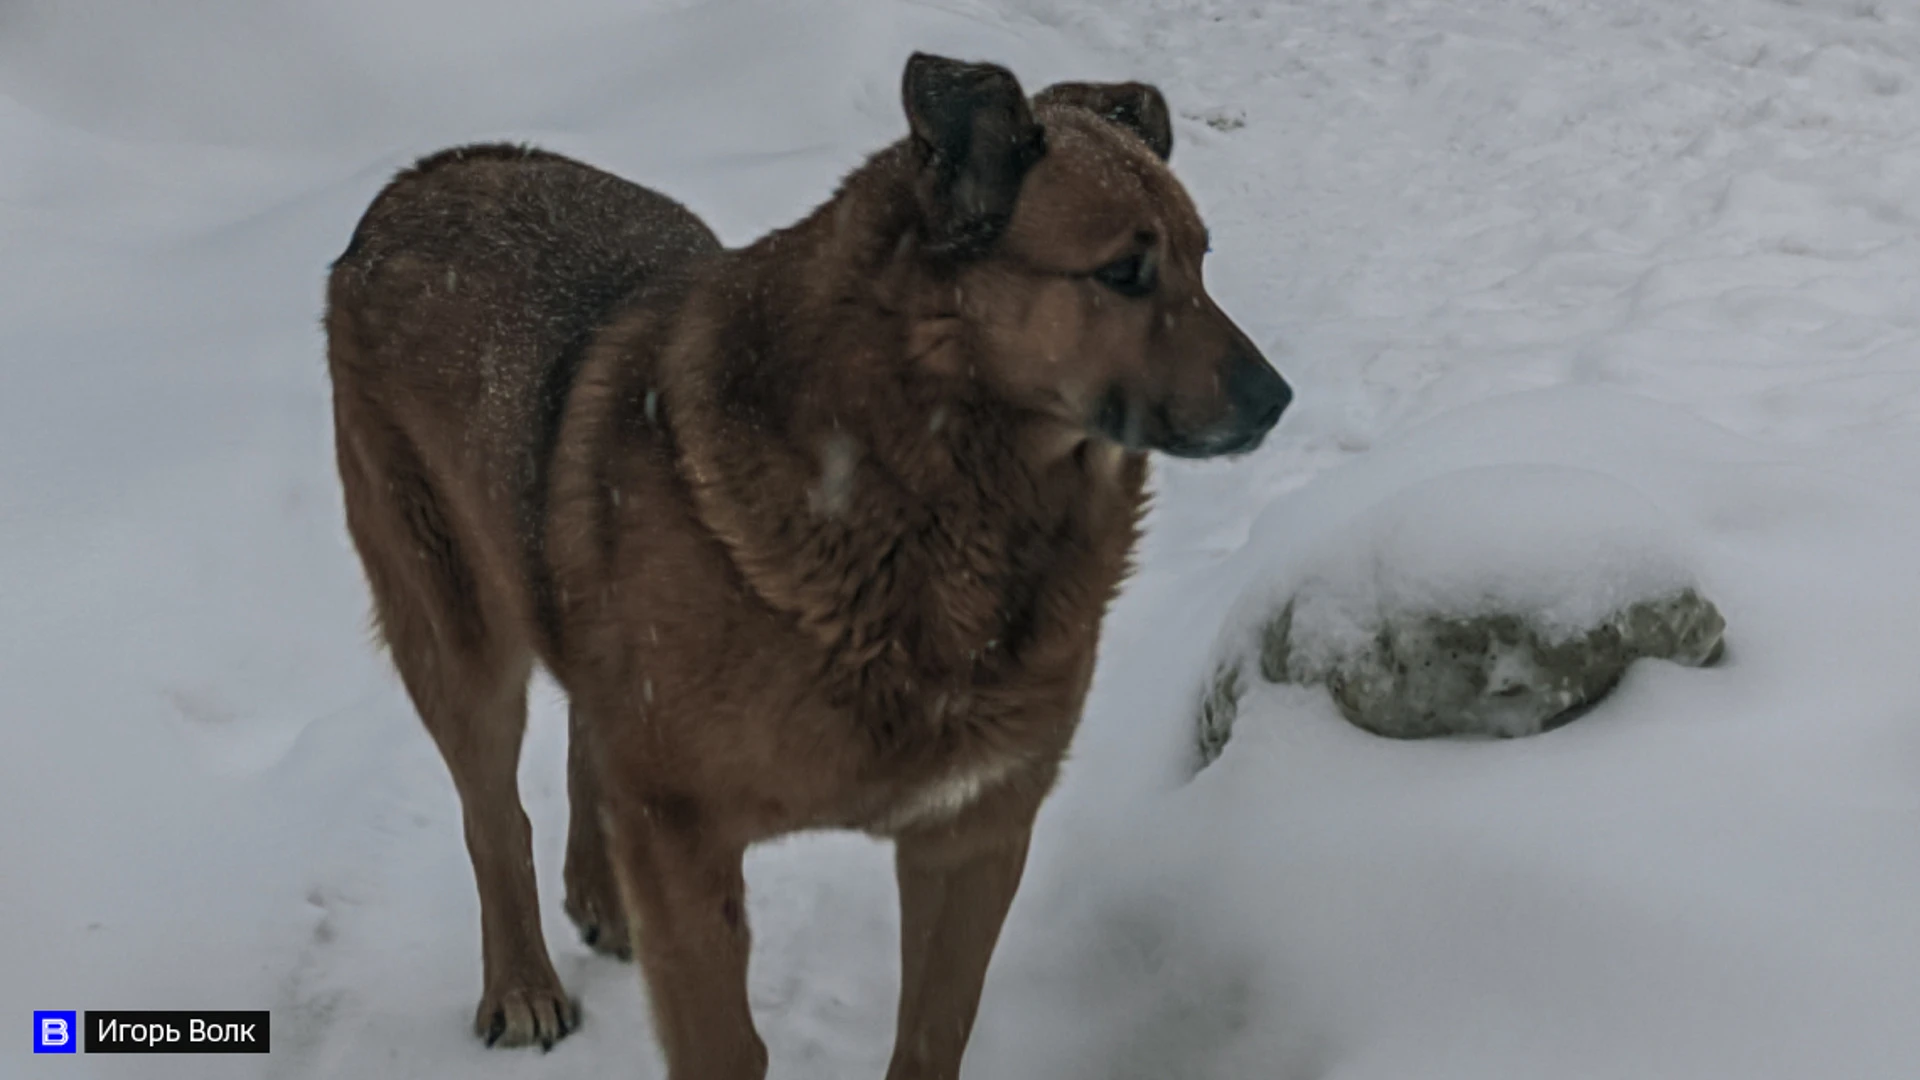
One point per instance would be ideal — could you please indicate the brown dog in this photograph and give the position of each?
(816, 533)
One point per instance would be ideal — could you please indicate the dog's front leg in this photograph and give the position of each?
(956, 883)
(686, 903)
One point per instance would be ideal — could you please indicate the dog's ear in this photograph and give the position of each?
(974, 139)
(1135, 106)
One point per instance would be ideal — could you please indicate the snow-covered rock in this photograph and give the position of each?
(1486, 601)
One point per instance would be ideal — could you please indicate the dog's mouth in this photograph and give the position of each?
(1139, 426)
(1229, 444)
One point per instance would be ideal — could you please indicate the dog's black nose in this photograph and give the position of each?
(1258, 393)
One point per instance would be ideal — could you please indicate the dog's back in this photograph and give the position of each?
(456, 320)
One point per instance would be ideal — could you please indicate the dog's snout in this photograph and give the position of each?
(1258, 393)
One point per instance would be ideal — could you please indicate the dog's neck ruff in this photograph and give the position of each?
(913, 534)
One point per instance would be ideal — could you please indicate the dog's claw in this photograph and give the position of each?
(600, 925)
(525, 1016)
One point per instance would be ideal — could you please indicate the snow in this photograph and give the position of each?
(1673, 247)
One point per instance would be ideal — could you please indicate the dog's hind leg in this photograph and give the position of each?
(479, 733)
(593, 895)
(468, 681)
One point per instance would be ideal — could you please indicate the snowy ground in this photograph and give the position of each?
(1677, 245)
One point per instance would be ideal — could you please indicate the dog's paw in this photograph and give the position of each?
(601, 921)
(524, 1015)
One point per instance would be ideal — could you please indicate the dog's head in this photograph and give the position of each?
(1077, 257)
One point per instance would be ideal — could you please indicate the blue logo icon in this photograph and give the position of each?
(55, 1032)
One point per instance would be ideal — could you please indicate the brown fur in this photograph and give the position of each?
(815, 533)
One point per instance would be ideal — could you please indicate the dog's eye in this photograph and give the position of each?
(1131, 276)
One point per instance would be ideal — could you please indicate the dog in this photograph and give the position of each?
(815, 533)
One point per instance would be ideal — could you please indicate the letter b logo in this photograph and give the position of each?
(55, 1032)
